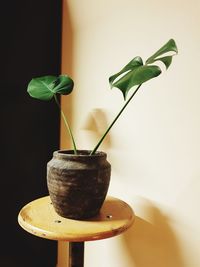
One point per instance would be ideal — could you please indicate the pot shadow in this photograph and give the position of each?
(152, 244)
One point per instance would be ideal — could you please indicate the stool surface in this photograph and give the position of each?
(39, 218)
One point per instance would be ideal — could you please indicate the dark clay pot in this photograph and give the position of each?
(78, 184)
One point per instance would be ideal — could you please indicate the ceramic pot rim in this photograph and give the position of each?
(82, 153)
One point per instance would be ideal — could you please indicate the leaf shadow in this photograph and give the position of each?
(95, 125)
(153, 244)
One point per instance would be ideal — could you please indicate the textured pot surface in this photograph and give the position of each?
(78, 184)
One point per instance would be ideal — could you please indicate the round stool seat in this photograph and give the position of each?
(39, 218)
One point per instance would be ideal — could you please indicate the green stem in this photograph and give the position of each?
(111, 125)
(66, 125)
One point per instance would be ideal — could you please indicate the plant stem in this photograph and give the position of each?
(66, 124)
(111, 125)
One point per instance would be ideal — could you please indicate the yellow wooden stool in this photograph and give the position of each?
(39, 218)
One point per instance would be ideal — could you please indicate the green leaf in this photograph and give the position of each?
(136, 76)
(134, 63)
(166, 60)
(169, 47)
(44, 88)
(134, 73)
(63, 85)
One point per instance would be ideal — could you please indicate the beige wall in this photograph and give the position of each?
(154, 148)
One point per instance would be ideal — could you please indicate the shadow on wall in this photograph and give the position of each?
(95, 125)
(152, 244)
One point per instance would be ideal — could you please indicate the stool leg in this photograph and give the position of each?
(76, 254)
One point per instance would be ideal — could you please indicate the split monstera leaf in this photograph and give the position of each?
(132, 76)
(136, 73)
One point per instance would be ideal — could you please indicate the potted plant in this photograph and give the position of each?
(78, 180)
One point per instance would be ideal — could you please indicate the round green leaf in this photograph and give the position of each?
(44, 88)
(63, 85)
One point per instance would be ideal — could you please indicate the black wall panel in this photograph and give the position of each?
(29, 129)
